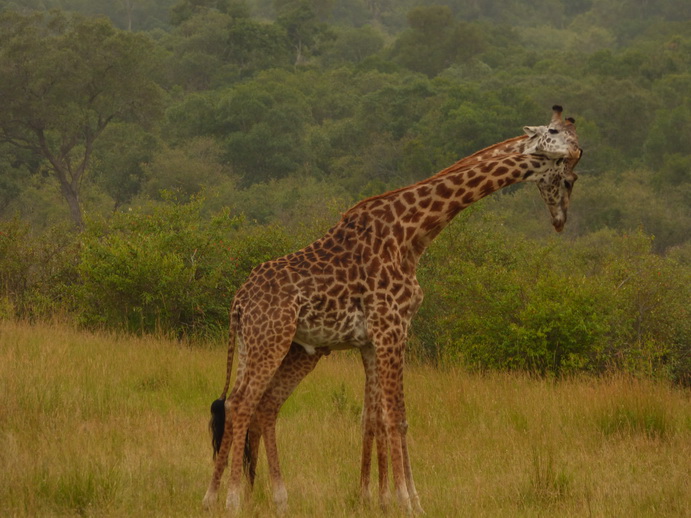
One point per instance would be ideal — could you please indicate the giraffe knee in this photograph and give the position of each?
(397, 427)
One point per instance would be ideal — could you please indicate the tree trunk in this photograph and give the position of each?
(72, 198)
(69, 180)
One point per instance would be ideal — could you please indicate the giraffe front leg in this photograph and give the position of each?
(390, 373)
(382, 460)
(373, 426)
(410, 483)
(369, 424)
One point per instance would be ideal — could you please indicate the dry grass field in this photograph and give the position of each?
(106, 425)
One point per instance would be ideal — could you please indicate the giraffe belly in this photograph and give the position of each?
(334, 333)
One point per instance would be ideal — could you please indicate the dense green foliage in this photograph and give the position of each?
(265, 118)
(603, 301)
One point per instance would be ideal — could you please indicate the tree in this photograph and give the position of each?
(263, 124)
(119, 161)
(185, 170)
(212, 48)
(302, 26)
(63, 80)
(353, 45)
(186, 9)
(435, 41)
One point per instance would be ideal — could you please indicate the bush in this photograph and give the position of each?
(606, 301)
(36, 271)
(172, 271)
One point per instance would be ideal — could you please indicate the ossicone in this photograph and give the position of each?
(556, 113)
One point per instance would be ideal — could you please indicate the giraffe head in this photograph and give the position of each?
(556, 184)
(557, 140)
(555, 189)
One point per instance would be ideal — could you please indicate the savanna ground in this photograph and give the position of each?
(107, 425)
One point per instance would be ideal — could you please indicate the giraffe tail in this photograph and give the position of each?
(217, 423)
(218, 407)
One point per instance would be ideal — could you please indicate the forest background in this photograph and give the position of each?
(153, 151)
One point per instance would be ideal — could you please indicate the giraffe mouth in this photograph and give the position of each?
(558, 214)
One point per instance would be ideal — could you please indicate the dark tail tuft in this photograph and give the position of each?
(217, 423)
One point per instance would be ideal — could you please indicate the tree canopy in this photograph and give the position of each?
(65, 79)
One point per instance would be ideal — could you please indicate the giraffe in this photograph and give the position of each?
(356, 287)
(556, 194)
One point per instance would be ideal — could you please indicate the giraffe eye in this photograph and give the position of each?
(553, 131)
(567, 184)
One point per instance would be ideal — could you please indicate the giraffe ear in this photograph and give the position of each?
(531, 131)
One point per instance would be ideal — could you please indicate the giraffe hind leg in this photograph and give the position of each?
(264, 355)
(295, 366)
(222, 437)
(382, 461)
(251, 453)
(217, 425)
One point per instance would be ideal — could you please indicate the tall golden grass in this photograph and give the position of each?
(107, 425)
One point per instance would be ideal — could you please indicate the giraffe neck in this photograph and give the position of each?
(507, 147)
(403, 222)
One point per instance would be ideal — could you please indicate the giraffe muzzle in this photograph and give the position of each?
(558, 222)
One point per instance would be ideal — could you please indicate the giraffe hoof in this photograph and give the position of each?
(417, 508)
(385, 502)
(282, 508)
(281, 501)
(233, 502)
(208, 501)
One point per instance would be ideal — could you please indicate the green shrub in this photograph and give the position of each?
(606, 301)
(36, 271)
(172, 271)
